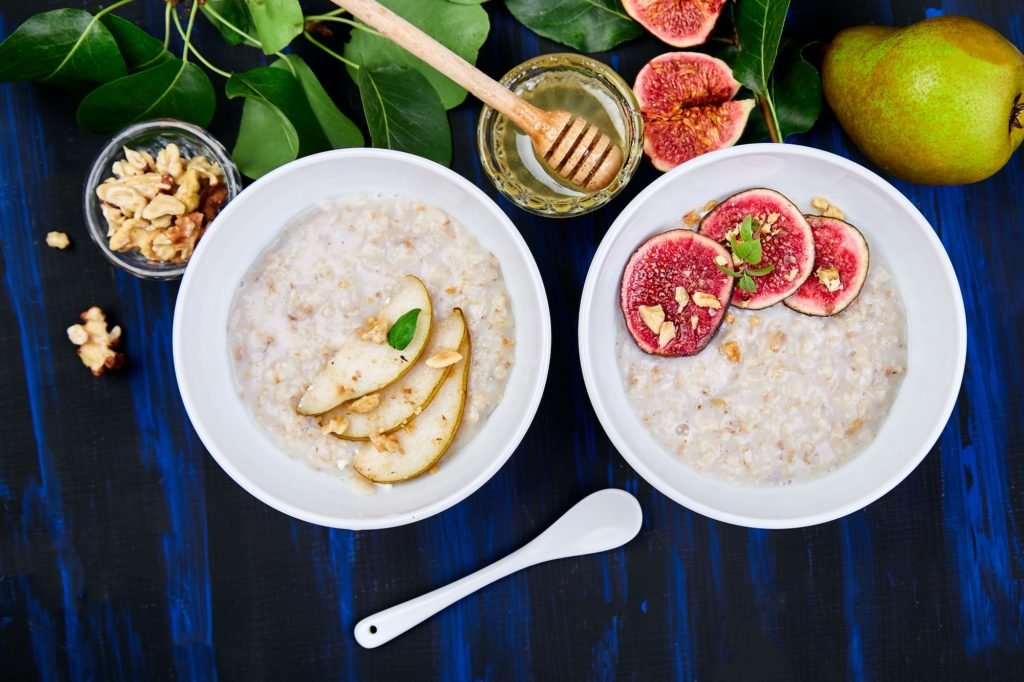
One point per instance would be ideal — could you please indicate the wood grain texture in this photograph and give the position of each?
(126, 553)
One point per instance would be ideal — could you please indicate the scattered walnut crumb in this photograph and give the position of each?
(691, 218)
(829, 278)
(776, 341)
(443, 359)
(652, 316)
(833, 212)
(705, 300)
(693, 321)
(708, 206)
(731, 351)
(57, 240)
(336, 425)
(820, 203)
(95, 343)
(666, 333)
(367, 403)
(450, 290)
(374, 330)
(682, 298)
(385, 442)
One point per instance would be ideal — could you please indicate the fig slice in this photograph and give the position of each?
(404, 399)
(787, 243)
(686, 99)
(671, 282)
(409, 452)
(364, 365)
(840, 267)
(681, 23)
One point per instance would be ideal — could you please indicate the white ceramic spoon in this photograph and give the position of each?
(601, 521)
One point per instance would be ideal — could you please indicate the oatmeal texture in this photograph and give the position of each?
(776, 397)
(331, 270)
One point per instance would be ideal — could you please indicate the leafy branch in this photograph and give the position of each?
(126, 75)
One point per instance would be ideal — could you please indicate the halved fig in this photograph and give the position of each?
(407, 453)
(673, 296)
(686, 102)
(840, 268)
(786, 243)
(681, 23)
(404, 399)
(363, 364)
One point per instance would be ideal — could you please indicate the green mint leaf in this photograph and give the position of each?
(760, 272)
(278, 124)
(754, 256)
(759, 29)
(68, 48)
(585, 25)
(746, 283)
(171, 89)
(401, 332)
(731, 273)
(461, 28)
(403, 112)
(747, 228)
(743, 250)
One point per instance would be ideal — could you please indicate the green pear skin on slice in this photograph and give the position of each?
(360, 367)
(424, 440)
(404, 399)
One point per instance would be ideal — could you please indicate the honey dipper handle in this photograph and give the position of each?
(404, 34)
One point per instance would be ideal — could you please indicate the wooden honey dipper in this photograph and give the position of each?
(574, 148)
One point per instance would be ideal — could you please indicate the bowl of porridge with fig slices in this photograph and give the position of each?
(772, 336)
(364, 339)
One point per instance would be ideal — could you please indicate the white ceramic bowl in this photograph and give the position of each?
(201, 360)
(897, 234)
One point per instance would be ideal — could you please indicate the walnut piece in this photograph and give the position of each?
(443, 359)
(95, 343)
(374, 330)
(57, 240)
(731, 351)
(666, 333)
(367, 403)
(829, 278)
(652, 316)
(706, 300)
(682, 298)
(336, 425)
(691, 218)
(385, 442)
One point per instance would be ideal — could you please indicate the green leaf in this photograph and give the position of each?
(747, 228)
(276, 22)
(341, 132)
(759, 28)
(796, 90)
(278, 124)
(68, 48)
(731, 273)
(468, 2)
(462, 28)
(746, 283)
(754, 255)
(585, 25)
(403, 112)
(402, 331)
(139, 49)
(743, 250)
(171, 89)
(760, 272)
(232, 11)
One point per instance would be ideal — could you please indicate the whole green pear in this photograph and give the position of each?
(938, 102)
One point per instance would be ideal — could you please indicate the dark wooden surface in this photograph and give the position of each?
(125, 552)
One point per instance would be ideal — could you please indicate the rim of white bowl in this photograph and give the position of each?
(504, 453)
(599, 262)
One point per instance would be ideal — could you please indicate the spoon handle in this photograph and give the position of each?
(385, 625)
(408, 36)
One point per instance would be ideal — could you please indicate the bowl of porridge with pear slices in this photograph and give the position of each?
(772, 335)
(364, 340)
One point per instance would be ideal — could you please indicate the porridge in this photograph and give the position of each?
(323, 284)
(737, 386)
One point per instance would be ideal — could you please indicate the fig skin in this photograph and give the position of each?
(662, 263)
(680, 23)
(812, 298)
(782, 281)
(686, 100)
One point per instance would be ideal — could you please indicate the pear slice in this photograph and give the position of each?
(404, 399)
(363, 366)
(407, 453)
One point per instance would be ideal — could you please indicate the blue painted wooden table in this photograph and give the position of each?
(125, 552)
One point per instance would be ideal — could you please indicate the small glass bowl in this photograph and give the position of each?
(151, 136)
(598, 78)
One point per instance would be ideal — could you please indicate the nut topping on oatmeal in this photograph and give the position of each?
(705, 300)
(776, 341)
(95, 343)
(682, 298)
(721, 261)
(829, 278)
(653, 316)
(375, 330)
(385, 442)
(367, 403)
(443, 359)
(693, 321)
(708, 206)
(666, 333)
(335, 425)
(791, 275)
(820, 203)
(57, 240)
(833, 212)
(691, 218)
(731, 351)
